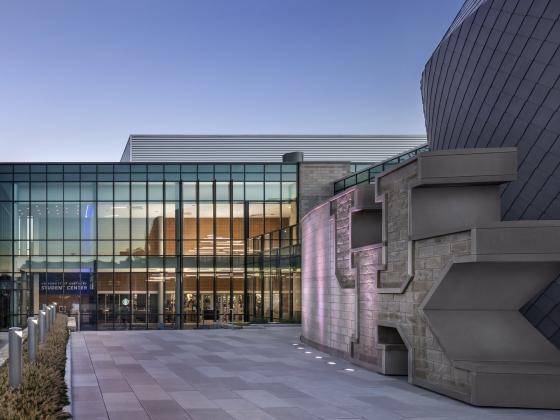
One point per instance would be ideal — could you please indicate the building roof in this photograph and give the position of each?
(266, 148)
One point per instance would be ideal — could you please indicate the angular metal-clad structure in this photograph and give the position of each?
(494, 81)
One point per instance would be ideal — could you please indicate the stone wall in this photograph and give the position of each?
(316, 182)
(391, 284)
(327, 309)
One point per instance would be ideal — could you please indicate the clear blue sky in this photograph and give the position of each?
(77, 77)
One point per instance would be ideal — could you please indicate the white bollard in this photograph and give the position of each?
(15, 361)
(49, 317)
(32, 327)
(42, 326)
(55, 305)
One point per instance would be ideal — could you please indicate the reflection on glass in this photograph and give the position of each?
(38, 191)
(205, 191)
(121, 211)
(109, 241)
(254, 191)
(55, 220)
(71, 220)
(105, 191)
(71, 191)
(105, 221)
(138, 220)
(155, 228)
(138, 191)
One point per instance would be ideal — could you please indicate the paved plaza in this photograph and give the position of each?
(261, 373)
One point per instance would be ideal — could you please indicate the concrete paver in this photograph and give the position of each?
(243, 374)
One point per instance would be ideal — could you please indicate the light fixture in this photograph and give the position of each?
(331, 363)
(318, 357)
(307, 352)
(349, 370)
(300, 348)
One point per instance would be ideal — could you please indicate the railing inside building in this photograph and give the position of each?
(273, 276)
(368, 175)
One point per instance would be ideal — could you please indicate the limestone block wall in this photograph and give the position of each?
(391, 285)
(367, 260)
(316, 182)
(328, 316)
(395, 211)
(341, 209)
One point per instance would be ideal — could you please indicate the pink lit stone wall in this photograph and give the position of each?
(329, 305)
(388, 294)
(327, 309)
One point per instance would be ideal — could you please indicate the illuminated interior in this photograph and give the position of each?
(147, 246)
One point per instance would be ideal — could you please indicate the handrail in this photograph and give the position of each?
(369, 174)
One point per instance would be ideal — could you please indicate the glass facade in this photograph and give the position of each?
(273, 276)
(130, 245)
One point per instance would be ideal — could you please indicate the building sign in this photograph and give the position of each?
(69, 284)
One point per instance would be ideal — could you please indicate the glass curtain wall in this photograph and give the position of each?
(137, 246)
(274, 276)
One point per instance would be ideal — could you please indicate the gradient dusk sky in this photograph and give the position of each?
(77, 77)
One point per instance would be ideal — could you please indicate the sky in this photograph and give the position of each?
(77, 77)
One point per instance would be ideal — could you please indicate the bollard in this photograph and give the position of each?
(49, 316)
(53, 314)
(42, 326)
(47, 319)
(32, 338)
(55, 305)
(15, 360)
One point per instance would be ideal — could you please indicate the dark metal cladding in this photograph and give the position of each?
(494, 81)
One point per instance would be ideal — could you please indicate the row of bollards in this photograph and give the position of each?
(37, 329)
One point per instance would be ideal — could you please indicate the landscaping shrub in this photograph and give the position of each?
(43, 392)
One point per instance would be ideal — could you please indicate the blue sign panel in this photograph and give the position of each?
(68, 284)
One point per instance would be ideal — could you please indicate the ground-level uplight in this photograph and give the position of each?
(300, 348)
(307, 352)
(349, 370)
(331, 363)
(318, 357)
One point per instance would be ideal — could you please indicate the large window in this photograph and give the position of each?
(130, 245)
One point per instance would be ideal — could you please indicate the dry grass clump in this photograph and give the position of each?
(43, 393)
